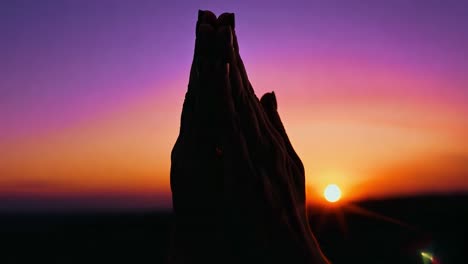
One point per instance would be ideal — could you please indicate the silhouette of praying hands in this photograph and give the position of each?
(238, 186)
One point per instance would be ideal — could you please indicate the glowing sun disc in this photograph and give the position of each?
(332, 193)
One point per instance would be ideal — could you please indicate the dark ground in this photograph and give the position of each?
(438, 224)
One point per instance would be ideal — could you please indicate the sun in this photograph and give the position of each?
(332, 193)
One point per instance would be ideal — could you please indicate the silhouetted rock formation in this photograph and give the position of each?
(238, 186)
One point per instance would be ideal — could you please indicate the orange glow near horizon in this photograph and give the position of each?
(378, 150)
(377, 114)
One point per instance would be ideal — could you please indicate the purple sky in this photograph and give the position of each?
(66, 63)
(63, 60)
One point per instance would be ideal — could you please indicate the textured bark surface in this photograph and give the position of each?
(238, 186)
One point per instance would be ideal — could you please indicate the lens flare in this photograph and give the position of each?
(427, 257)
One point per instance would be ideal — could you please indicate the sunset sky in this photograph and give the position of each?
(373, 94)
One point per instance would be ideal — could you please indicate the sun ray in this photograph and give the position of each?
(365, 212)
